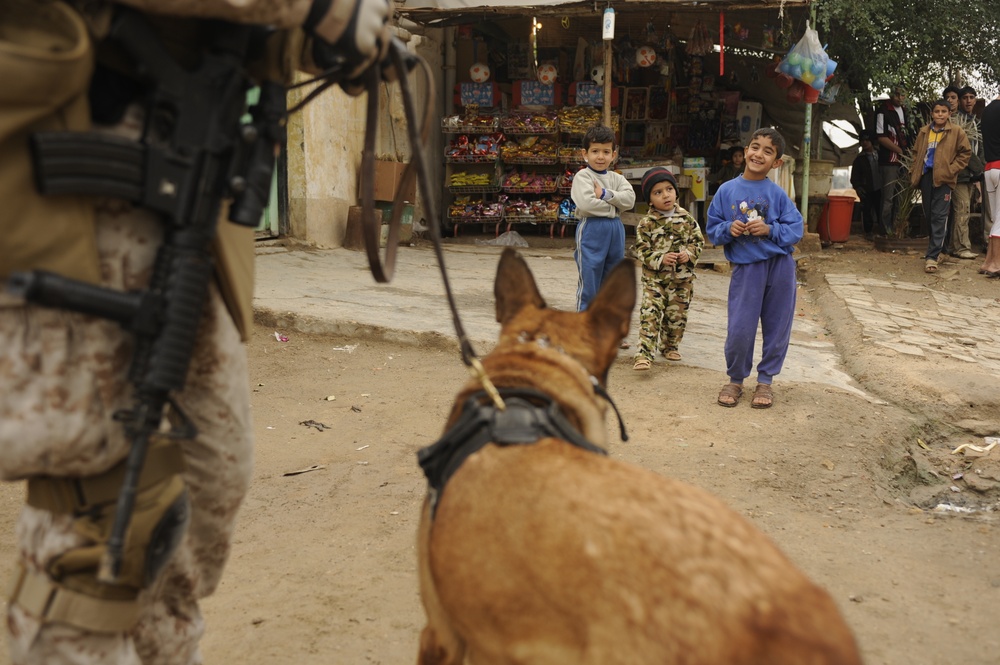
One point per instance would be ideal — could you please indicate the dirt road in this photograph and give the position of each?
(323, 569)
(324, 566)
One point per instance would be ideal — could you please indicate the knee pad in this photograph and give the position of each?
(68, 590)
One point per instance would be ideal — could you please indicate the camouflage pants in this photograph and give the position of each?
(64, 376)
(663, 313)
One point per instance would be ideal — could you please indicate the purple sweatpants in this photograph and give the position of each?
(763, 291)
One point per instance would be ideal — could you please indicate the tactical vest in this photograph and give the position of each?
(47, 61)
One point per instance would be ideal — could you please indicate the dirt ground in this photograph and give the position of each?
(324, 566)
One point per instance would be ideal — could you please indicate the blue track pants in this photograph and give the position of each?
(763, 291)
(600, 246)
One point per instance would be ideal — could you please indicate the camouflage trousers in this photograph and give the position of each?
(64, 376)
(663, 312)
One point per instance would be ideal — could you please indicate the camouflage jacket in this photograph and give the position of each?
(658, 234)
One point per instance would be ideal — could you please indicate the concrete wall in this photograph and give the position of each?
(325, 142)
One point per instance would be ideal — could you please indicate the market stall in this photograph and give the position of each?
(681, 85)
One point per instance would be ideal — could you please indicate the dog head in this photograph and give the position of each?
(591, 337)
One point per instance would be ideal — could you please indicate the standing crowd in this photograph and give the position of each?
(953, 161)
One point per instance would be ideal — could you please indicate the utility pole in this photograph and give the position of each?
(807, 141)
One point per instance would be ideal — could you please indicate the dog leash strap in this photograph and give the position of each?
(604, 394)
(479, 373)
(430, 203)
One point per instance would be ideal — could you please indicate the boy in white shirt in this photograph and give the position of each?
(600, 196)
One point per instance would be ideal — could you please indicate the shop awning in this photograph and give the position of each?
(429, 11)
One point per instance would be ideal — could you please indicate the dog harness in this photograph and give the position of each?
(530, 416)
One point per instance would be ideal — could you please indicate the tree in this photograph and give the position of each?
(923, 44)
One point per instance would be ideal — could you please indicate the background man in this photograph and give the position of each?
(891, 127)
(968, 187)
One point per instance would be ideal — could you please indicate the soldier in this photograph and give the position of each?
(66, 374)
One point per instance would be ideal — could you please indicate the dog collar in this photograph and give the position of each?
(529, 416)
(543, 342)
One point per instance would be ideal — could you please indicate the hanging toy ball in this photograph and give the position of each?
(597, 74)
(645, 56)
(479, 72)
(547, 74)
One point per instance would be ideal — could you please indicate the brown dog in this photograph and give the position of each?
(552, 554)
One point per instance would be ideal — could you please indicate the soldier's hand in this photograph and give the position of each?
(350, 34)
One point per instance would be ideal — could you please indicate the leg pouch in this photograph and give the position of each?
(68, 590)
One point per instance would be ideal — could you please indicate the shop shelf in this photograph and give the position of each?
(529, 219)
(449, 126)
(524, 126)
(477, 219)
(474, 189)
(471, 159)
(525, 159)
(546, 189)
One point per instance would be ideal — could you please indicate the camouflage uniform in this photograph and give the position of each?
(65, 375)
(666, 291)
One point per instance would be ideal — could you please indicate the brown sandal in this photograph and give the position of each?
(764, 394)
(730, 394)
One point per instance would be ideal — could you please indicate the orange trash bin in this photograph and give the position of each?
(835, 222)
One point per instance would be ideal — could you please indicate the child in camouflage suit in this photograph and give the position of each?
(667, 243)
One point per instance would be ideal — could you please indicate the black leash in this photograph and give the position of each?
(418, 167)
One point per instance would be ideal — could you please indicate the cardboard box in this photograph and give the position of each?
(533, 93)
(748, 116)
(486, 94)
(699, 182)
(388, 176)
(588, 93)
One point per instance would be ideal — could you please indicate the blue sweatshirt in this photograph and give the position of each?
(741, 199)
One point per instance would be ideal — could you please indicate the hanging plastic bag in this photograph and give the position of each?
(807, 61)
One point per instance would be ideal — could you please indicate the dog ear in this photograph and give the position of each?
(611, 309)
(515, 286)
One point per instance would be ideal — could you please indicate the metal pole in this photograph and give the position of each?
(806, 150)
(807, 141)
(607, 83)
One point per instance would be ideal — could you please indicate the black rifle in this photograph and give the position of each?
(194, 154)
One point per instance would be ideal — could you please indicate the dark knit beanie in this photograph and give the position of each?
(656, 175)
